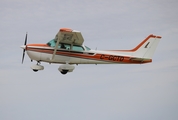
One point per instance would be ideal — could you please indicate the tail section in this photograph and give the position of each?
(143, 52)
(147, 47)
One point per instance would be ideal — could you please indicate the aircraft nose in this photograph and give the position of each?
(23, 46)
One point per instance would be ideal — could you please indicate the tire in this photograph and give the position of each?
(35, 70)
(64, 72)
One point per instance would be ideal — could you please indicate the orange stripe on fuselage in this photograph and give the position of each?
(38, 45)
(83, 55)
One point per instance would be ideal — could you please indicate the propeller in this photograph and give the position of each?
(24, 48)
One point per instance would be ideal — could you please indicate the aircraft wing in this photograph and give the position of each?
(69, 36)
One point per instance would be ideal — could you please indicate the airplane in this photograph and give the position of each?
(67, 48)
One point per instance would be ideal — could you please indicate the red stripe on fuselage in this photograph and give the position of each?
(85, 55)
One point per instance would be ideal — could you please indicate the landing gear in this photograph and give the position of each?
(37, 67)
(35, 70)
(64, 69)
(64, 72)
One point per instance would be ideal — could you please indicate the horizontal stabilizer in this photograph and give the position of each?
(140, 60)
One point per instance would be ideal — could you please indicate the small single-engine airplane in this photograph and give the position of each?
(67, 48)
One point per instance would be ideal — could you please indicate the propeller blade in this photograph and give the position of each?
(25, 39)
(23, 56)
(24, 49)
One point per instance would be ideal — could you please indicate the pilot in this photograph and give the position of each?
(63, 46)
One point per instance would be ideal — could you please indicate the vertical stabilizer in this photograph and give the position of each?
(147, 47)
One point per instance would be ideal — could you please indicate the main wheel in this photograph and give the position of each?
(64, 72)
(35, 70)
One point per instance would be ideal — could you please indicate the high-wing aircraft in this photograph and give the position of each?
(67, 48)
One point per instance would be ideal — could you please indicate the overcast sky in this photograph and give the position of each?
(90, 92)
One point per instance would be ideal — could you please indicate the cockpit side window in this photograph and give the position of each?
(77, 48)
(64, 46)
(52, 43)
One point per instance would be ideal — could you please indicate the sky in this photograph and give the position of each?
(90, 92)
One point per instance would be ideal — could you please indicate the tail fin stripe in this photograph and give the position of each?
(150, 36)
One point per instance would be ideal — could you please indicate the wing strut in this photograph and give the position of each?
(56, 47)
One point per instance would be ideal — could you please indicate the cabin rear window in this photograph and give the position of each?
(87, 48)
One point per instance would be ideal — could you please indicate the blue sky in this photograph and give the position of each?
(95, 92)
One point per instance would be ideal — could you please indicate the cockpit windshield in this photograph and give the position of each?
(52, 43)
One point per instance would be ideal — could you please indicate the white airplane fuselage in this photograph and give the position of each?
(44, 54)
(69, 54)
